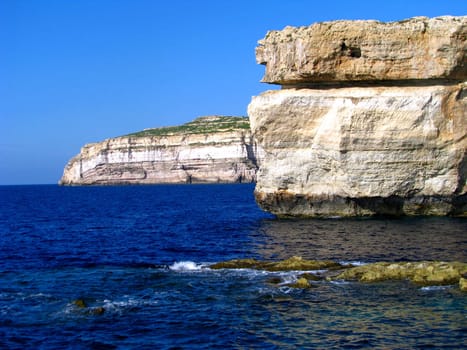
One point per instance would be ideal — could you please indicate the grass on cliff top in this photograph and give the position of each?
(201, 125)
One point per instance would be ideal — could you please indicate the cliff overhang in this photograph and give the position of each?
(371, 119)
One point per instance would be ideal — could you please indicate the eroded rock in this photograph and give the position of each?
(463, 284)
(294, 263)
(301, 283)
(425, 273)
(419, 48)
(379, 134)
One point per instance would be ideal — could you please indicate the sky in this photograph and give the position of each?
(74, 72)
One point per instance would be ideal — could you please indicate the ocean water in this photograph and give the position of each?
(127, 268)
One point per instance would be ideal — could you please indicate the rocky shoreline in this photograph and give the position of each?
(422, 273)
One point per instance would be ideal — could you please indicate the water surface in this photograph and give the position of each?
(138, 258)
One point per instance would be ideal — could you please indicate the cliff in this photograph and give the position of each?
(208, 150)
(371, 119)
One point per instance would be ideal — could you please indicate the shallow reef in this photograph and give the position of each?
(423, 273)
(294, 263)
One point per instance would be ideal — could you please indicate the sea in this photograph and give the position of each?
(127, 267)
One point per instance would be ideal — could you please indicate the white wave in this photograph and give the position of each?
(185, 266)
(119, 305)
(340, 282)
(353, 263)
(288, 279)
(434, 288)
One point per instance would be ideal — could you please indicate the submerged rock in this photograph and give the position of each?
(98, 310)
(463, 284)
(301, 283)
(311, 277)
(80, 303)
(425, 273)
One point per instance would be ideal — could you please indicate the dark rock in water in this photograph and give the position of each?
(463, 284)
(98, 310)
(311, 277)
(274, 280)
(80, 303)
(301, 283)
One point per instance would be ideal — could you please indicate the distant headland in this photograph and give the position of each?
(211, 149)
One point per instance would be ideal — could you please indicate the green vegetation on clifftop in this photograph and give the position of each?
(201, 125)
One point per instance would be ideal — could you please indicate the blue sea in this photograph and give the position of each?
(127, 267)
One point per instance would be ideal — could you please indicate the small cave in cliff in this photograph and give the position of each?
(351, 51)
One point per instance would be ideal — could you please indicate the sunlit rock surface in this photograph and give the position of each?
(423, 273)
(208, 150)
(427, 273)
(378, 133)
(419, 48)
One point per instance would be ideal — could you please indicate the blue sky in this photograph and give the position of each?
(77, 71)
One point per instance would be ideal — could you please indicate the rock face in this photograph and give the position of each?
(371, 119)
(418, 48)
(208, 150)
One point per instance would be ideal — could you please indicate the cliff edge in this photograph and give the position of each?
(212, 149)
(371, 119)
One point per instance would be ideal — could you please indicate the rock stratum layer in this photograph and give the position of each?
(371, 119)
(414, 49)
(208, 150)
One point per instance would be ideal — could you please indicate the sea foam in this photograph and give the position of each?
(185, 266)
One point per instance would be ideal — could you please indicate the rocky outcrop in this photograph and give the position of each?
(423, 273)
(294, 263)
(371, 119)
(208, 150)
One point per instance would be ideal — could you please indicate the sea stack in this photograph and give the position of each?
(371, 119)
(211, 149)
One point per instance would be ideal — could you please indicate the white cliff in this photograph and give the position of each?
(367, 138)
(208, 150)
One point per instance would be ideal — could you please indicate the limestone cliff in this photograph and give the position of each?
(371, 119)
(208, 150)
(415, 49)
